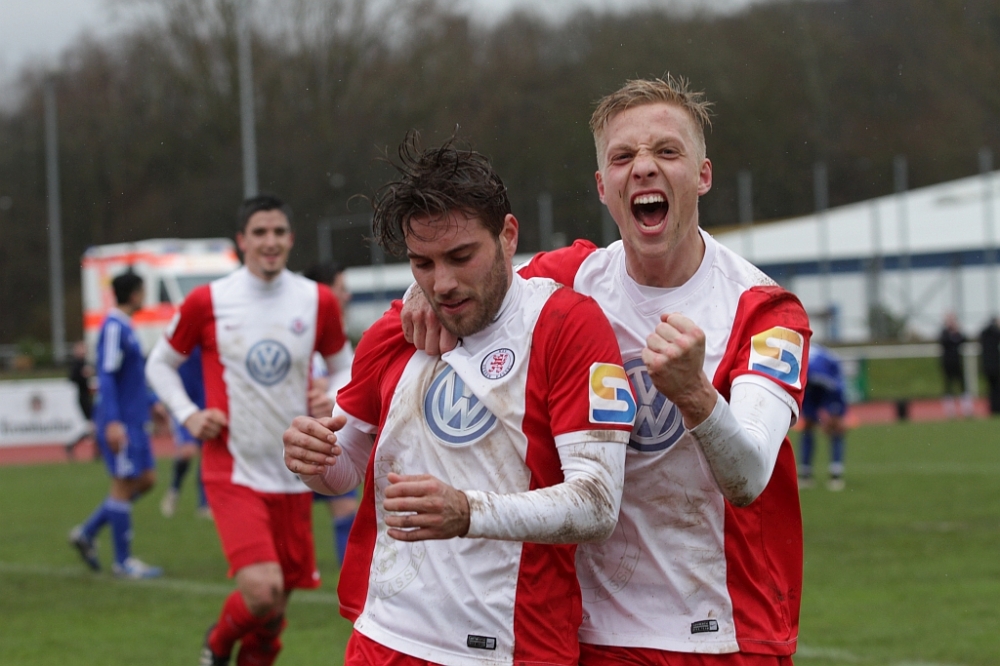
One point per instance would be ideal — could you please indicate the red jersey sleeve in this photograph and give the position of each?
(587, 385)
(560, 265)
(330, 336)
(194, 322)
(379, 360)
(770, 338)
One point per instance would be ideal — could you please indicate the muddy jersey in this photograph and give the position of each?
(685, 570)
(257, 339)
(487, 416)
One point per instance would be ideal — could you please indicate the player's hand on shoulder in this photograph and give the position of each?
(421, 507)
(421, 327)
(206, 423)
(311, 443)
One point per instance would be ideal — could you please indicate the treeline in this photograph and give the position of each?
(149, 122)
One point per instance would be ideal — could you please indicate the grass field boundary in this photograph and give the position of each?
(907, 467)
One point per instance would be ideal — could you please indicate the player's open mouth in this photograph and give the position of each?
(650, 209)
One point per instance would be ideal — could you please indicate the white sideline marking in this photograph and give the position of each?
(923, 468)
(836, 654)
(167, 583)
(311, 597)
(825, 653)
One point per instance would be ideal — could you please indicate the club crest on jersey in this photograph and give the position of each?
(611, 399)
(453, 413)
(268, 362)
(498, 363)
(778, 352)
(298, 326)
(658, 423)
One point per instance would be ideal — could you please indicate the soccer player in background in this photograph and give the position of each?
(483, 467)
(123, 410)
(705, 565)
(257, 328)
(824, 403)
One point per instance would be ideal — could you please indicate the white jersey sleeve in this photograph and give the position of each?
(161, 373)
(741, 440)
(582, 508)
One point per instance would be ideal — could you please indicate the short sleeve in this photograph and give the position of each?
(769, 340)
(379, 361)
(588, 387)
(330, 336)
(187, 329)
(560, 265)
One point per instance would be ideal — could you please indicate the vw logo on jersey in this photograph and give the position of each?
(658, 423)
(268, 362)
(778, 352)
(453, 413)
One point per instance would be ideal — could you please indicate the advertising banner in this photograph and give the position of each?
(40, 411)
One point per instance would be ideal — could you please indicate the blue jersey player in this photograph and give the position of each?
(120, 418)
(823, 403)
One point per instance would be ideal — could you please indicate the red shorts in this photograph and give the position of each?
(257, 527)
(363, 651)
(607, 655)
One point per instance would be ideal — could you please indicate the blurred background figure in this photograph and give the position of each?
(81, 373)
(823, 403)
(187, 445)
(989, 340)
(951, 340)
(123, 411)
(342, 507)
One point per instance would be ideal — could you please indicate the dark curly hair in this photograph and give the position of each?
(434, 182)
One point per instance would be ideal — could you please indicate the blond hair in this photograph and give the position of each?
(636, 92)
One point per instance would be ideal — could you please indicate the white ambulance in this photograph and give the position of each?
(170, 269)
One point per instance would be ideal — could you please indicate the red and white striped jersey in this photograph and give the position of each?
(257, 340)
(486, 416)
(685, 570)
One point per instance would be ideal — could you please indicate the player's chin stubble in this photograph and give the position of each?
(488, 301)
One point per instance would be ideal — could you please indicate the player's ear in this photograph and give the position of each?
(508, 236)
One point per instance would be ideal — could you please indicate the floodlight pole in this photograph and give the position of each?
(822, 200)
(900, 180)
(247, 124)
(56, 298)
(986, 170)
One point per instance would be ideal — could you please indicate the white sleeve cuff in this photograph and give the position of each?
(349, 470)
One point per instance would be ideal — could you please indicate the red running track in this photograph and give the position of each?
(864, 413)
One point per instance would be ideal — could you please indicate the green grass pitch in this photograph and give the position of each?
(902, 568)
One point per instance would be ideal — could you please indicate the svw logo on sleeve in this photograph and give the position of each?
(611, 398)
(778, 352)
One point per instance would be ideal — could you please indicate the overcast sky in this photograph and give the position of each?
(41, 29)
